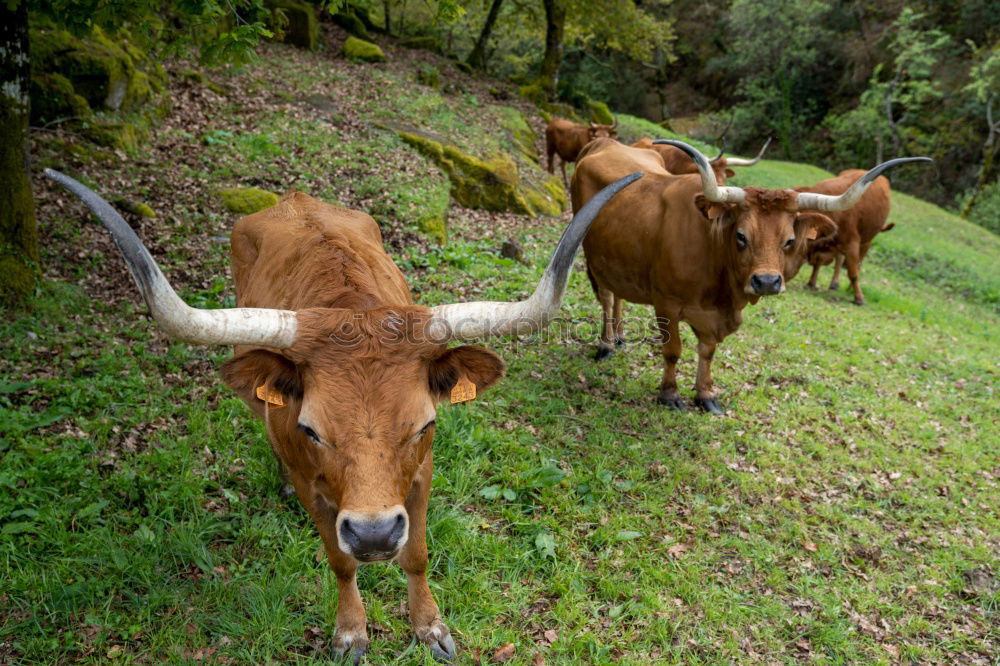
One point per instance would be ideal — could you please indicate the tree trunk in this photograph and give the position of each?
(989, 150)
(388, 17)
(478, 56)
(555, 22)
(18, 230)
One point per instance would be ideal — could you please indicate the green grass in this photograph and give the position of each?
(832, 516)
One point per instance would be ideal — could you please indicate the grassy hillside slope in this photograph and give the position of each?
(844, 510)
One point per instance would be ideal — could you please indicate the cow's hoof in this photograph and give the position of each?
(710, 405)
(350, 646)
(834, 286)
(858, 301)
(672, 400)
(602, 353)
(438, 639)
(812, 286)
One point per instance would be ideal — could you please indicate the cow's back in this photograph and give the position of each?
(649, 241)
(304, 253)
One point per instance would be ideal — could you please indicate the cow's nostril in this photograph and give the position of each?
(373, 538)
(766, 283)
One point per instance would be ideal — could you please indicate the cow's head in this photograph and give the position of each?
(596, 131)
(360, 390)
(766, 232)
(357, 385)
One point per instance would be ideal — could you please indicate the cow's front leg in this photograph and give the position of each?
(835, 280)
(350, 638)
(814, 277)
(706, 399)
(424, 614)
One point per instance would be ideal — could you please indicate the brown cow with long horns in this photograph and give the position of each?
(856, 229)
(697, 251)
(346, 372)
(567, 139)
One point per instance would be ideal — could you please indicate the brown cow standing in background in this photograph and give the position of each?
(696, 251)
(346, 372)
(856, 228)
(567, 139)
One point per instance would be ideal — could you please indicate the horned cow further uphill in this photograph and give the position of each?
(696, 251)
(856, 228)
(346, 372)
(567, 139)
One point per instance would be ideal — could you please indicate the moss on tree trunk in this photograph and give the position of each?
(18, 230)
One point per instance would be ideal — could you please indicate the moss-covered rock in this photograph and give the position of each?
(350, 22)
(109, 73)
(135, 207)
(302, 27)
(128, 134)
(522, 135)
(105, 82)
(360, 50)
(53, 97)
(492, 184)
(247, 200)
(436, 227)
(600, 113)
(426, 43)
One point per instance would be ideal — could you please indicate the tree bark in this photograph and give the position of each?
(388, 17)
(478, 56)
(555, 23)
(989, 150)
(18, 229)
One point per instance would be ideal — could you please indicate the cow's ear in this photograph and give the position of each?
(814, 227)
(730, 173)
(477, 364)
(258, 367)
(711, 210)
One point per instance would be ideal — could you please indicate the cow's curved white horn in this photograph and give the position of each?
(709, 185)
(232, 326)
(480, 319)
(827, 202)
(738, 161)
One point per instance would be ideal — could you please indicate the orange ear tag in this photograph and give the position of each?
(463, 391)
(273, 398)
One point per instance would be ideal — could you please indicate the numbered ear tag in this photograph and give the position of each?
(271, 397)
(463, 391)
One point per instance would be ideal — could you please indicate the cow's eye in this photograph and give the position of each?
(423, 431)
(310, 433)
(789, 242)
(741, 239)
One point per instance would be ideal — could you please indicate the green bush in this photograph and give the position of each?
(986, 211)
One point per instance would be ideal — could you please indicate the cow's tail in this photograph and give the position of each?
(888, 227)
